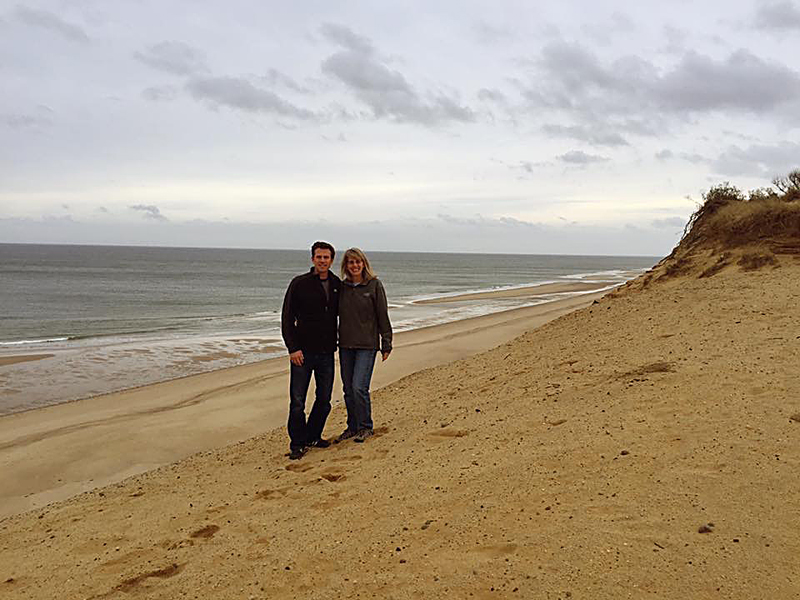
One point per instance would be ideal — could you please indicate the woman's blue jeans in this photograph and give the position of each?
(356, 366)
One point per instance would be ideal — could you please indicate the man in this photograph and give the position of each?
(308, 324)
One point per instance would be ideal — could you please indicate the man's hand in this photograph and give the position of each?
(297, 358)
(384, 356)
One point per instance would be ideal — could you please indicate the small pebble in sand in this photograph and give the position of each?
(706, 528)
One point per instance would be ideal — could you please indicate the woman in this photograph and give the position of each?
(364, 328)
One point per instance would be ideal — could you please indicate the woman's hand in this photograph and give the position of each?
(384, 355)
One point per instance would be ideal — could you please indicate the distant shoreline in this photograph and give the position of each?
(530, 291)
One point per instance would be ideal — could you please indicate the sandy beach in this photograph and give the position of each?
(56, 452)
(645, 445)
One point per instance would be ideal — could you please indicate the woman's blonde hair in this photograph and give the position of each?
(367, 273)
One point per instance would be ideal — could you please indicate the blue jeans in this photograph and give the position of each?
(357, 365)
(300, 431)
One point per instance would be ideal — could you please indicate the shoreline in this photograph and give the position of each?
(528, 291)
(544, 291)
(51, 453)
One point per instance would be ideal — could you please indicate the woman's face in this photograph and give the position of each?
(355, 266)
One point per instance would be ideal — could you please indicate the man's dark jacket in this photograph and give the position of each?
(308, 318)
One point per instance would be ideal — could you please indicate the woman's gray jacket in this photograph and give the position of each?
(364, 316)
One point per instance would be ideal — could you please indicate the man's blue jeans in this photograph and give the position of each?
(357, 365)
(300, 431)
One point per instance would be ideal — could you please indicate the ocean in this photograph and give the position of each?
(115, 317)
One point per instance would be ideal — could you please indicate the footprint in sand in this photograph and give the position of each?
(333, 501)
(449, 433)
(496, 551)
(272, 494)
(206, 532)
(299, 467)
(346, 458)
(332, 476)
(128, 585)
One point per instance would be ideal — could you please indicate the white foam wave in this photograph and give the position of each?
(42, 341)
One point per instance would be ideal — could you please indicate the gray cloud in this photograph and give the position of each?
(579, 157)
(343, 36)
(664, 154)
(175, 58)
(596, 136)
(518, 222)
(630, 92)
(741, 82)
(479, 221)
(523, 165)
(777, 16)
(668, 222)
(758, 160)
(569, 78)
(50, 21)
(275, 77)
(693, 158)
(150, 211)
(676, 39)
(239, 93)
(160, 93)
(386, 91)
(24, 121)
(495, 96)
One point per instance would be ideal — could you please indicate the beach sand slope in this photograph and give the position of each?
(645, 446)
(53, 453)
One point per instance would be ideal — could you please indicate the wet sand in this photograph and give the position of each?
(20, 358)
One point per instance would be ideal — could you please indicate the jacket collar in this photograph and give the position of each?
(331, 276)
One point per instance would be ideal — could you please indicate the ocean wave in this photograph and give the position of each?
(622, 274)
(40, 341)
(495, 288)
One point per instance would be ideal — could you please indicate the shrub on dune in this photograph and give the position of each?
(733, 227)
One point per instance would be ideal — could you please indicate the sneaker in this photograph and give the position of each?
(297, 453)
(320, 443)
(346, 435)
(362, 435)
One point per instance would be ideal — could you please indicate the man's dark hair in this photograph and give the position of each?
(324, 246)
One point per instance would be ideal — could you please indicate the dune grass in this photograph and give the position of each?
(729, 219)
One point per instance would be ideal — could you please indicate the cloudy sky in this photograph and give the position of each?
(575, 127)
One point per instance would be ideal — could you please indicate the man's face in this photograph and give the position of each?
(321, 260)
